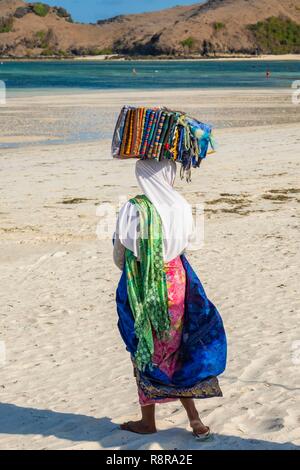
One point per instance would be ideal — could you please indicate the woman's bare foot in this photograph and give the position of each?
(146, 425)
(139, 427)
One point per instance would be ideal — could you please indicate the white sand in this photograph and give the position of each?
(229, 57)
(67, 381)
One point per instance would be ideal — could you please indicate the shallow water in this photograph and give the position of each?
(117, 75)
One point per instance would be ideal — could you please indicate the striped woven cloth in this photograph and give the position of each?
(161, 133)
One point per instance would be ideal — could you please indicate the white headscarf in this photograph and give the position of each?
(156, 179)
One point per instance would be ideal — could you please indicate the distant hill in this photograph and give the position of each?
(215, 27)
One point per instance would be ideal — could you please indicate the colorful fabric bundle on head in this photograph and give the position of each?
(162, 134)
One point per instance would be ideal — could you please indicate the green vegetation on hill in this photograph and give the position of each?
(188, 43)
(42, 39)
(218, 25)
(63, 13)
(6, 24)
(40, 9)
(277, 35)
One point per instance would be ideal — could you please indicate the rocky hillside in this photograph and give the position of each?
(35, 29)
(215, 27)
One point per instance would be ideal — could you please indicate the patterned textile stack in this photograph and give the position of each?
(162, 134)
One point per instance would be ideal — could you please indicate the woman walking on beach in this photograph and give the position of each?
(173, 332)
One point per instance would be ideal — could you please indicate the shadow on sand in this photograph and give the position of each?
(16, 420)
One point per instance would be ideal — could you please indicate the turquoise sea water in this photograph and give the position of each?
(112, 75)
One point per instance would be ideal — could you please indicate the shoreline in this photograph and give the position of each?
(116, 58)
(128, 94)
(234, 57)
(52, 91)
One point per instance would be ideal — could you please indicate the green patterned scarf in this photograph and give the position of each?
(146, 283)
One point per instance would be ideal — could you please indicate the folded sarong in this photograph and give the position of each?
(161, 133)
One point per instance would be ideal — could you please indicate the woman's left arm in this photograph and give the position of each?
(119, 252)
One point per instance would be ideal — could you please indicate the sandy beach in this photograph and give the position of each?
(234, 57)
(115, 57)
(66, 379)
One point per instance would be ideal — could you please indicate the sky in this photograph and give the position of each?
(89, 11)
